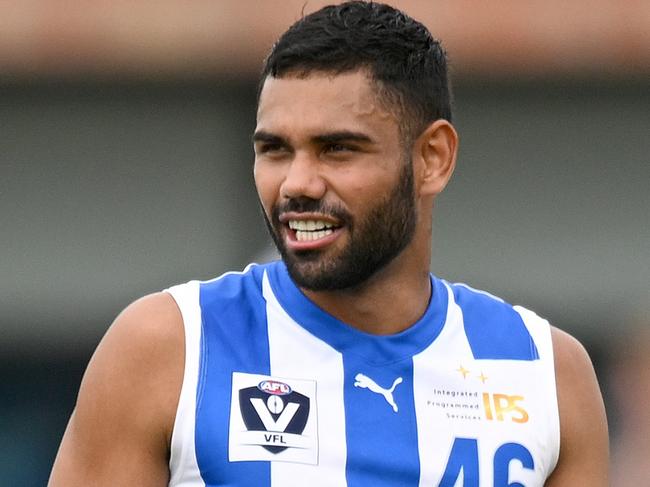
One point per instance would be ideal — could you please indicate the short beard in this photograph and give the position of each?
(374, 241)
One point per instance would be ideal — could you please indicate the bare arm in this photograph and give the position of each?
(120, 430)
(584, 449)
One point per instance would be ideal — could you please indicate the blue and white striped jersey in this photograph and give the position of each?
(277, 392)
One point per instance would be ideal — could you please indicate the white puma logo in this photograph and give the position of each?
(366, 382)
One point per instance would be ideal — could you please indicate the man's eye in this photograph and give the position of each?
(337, 148)
(271, 148)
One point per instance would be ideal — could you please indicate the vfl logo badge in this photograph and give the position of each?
(272, 419)
(274, 409)
(366, 382)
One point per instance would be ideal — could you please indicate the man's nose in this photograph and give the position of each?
(303, 178)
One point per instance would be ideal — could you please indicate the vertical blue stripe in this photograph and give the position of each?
(493, 328)
(382, 444)
(234, 338)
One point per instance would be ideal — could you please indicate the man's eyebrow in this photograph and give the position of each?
(342, 136)
(327, 138)
(262, 136)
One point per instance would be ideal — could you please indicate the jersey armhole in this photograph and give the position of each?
(183, 465)
(540, 331)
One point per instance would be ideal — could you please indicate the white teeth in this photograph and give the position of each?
(304, 236)
(309, 225)
(308, 230)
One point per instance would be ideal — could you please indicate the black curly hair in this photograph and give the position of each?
(405, 63)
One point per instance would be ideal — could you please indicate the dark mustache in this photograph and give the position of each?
(309, 205)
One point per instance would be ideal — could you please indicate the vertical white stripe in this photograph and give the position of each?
(182, 463)
(297, 354)
(433, 370)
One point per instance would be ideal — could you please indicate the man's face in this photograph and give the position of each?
(334, 181)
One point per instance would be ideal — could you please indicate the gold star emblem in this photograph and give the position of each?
(463, 371)
(483, 377)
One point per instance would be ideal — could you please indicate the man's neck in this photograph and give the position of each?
(389, 302)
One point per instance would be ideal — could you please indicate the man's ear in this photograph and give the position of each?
(435, 157)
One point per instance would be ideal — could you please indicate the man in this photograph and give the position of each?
(346, 363)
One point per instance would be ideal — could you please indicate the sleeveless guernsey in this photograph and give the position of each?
(276, 392)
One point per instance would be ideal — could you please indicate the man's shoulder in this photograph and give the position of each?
(145, 336)
(125, 409)
(571, 357)
(584, 446)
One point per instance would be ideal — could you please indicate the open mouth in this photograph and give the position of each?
(310, 230)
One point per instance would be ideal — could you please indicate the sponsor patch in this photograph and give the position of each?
(273, 419)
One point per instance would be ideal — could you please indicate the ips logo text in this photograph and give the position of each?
(502, 407)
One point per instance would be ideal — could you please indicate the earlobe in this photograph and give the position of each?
(437, 148)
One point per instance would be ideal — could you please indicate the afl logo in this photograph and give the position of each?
(274, 387)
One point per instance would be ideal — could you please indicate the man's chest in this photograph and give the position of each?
(344, 422)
